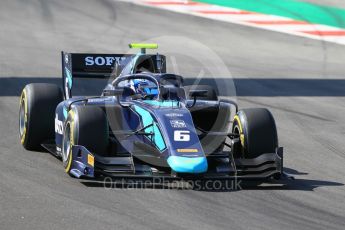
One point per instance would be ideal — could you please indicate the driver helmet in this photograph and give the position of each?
(144, 87)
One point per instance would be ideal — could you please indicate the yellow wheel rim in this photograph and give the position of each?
(23, 116)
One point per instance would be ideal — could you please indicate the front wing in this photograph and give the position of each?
(222, 166)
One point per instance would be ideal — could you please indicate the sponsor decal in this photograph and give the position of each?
(182, 135)
(99, 100)
(187, 150)
(178, 124)
(174, 115)
(90, 160)
(58, 125)
(102, 61)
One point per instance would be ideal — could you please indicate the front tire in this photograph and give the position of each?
(86, 126)
(36, 114)
(257, 130)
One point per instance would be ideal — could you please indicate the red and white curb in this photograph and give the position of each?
(253, 19)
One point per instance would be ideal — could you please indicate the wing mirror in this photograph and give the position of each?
(117, 92)
(195, 94)
(113, 92)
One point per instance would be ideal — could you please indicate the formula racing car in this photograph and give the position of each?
(146, 123)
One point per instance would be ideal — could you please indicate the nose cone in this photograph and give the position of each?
(188, 164)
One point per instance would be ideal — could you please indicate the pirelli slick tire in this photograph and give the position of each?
(257, 130)
(211, 92)
(36, 114)
(86, 126)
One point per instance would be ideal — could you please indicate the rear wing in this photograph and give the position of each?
(84, 65)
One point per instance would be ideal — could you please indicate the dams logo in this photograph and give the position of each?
(178, 124)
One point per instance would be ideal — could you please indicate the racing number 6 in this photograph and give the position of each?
(181, 135)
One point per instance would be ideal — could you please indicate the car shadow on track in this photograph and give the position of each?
(12, 86)
(251, 87)
(297, 184)
(300, 184)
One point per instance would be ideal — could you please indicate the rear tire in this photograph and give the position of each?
(211, 92)
(36, 114)
(86, 126)
(257, 130)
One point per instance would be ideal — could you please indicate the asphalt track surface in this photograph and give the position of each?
(301, 81)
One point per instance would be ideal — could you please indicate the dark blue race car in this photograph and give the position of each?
(146, 123)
